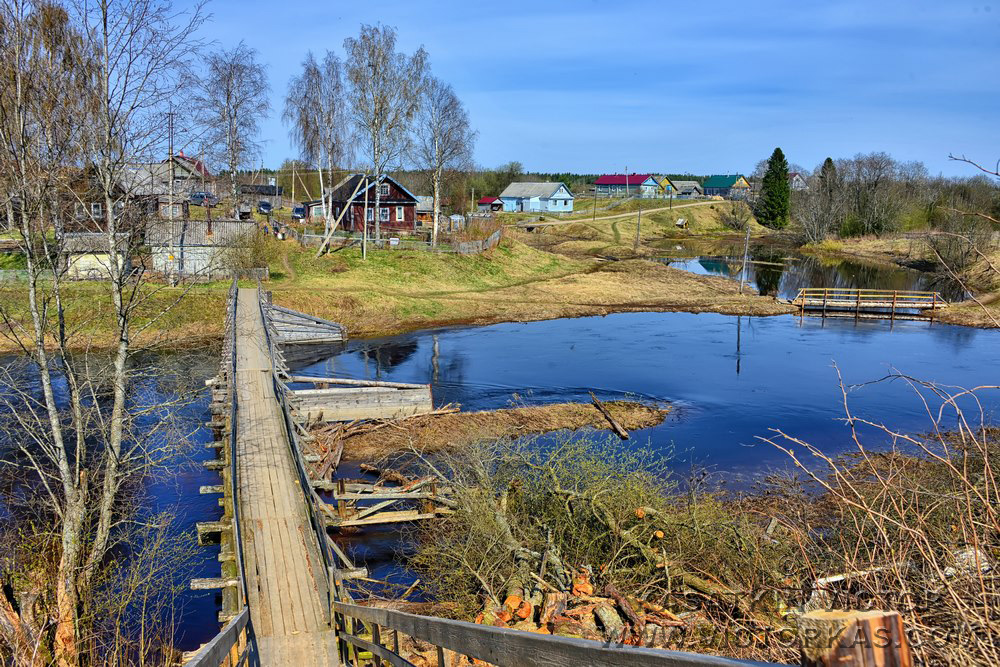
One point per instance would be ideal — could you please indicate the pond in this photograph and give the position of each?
(780, 271)
(729, 379)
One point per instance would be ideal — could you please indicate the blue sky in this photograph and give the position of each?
(590, 86)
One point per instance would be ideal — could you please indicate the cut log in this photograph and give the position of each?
(615, 426)
(853, 639)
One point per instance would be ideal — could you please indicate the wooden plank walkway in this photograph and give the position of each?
(286, 588)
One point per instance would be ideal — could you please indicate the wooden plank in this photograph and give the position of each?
(286, 578)
(399, 516)
(362, 383)
(215, 651)
(504, 646)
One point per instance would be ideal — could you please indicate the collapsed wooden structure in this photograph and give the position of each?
(341, 399)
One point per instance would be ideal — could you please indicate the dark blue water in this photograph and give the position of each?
(729, 379)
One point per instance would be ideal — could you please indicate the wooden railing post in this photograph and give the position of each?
(853, 639)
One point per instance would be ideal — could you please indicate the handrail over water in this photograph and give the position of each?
(867, 302)
(234, 645)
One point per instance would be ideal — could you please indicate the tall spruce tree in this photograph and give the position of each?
(775, 192)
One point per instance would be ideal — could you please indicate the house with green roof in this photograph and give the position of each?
(728, 186)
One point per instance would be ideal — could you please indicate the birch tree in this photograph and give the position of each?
(233, 100)
(316, 114)
(444, 138)
(84, 92)
(384, 93)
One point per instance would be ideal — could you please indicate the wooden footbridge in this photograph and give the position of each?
(868, 303)
(284, 596)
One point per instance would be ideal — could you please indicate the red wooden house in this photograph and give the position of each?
(397, 205)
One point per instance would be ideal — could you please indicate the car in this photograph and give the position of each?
(299, 213)
(203, 199)
(264, 207)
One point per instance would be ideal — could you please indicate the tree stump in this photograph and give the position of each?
(853, 639)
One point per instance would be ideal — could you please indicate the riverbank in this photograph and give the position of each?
(433, 433)
(395, 291)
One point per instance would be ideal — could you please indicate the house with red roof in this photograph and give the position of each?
(627, 185)
(490, 204)
(190, 174)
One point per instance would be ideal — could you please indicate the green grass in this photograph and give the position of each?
(13, 260)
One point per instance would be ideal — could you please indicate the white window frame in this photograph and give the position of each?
(371, 214)
(383, 190)
(400, 215)
(383, 214)
(96, 209)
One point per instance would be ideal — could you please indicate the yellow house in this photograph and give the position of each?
(667, 187)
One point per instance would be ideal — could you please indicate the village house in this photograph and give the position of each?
(667, 188)
(87, 256)
(627, 185)
(195, 248)
(425, 210)
(537, 198)
(397, 205)
(688, 189)
(796, 181)
(136, 196)
(490, 205)
(727, 186)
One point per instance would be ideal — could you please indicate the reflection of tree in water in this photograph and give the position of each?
(767, 276)
(389, 354)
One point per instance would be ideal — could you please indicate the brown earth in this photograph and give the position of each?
(437, 432)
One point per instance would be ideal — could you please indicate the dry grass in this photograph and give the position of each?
(515, 283)
(438, 432)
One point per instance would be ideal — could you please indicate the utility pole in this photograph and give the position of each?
(170, 186)
(595, 203)
(746, 253)
(638, 228)
(364, 228)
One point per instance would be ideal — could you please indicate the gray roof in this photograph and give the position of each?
(146, 179)
(686, 185)
(529, 190)
(195, 232)
(89, 242)
(425, 203)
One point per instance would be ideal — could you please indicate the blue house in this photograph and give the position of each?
(537, 198)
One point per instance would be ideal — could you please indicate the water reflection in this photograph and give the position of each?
(777, 271)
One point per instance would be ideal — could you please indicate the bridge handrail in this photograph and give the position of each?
(235, 642)
(505, 646)
(856, 292)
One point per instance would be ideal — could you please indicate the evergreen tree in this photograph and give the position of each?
(775, 192)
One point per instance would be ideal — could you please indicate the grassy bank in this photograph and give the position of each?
(395, 291)
(400, 290)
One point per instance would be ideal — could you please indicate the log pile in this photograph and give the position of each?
(607, 615)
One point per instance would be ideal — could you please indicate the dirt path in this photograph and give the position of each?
(608, 217)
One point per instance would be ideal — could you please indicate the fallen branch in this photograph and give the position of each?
(615, 426)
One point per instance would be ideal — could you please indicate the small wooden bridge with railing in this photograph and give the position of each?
(868, 303)
(284, 598)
